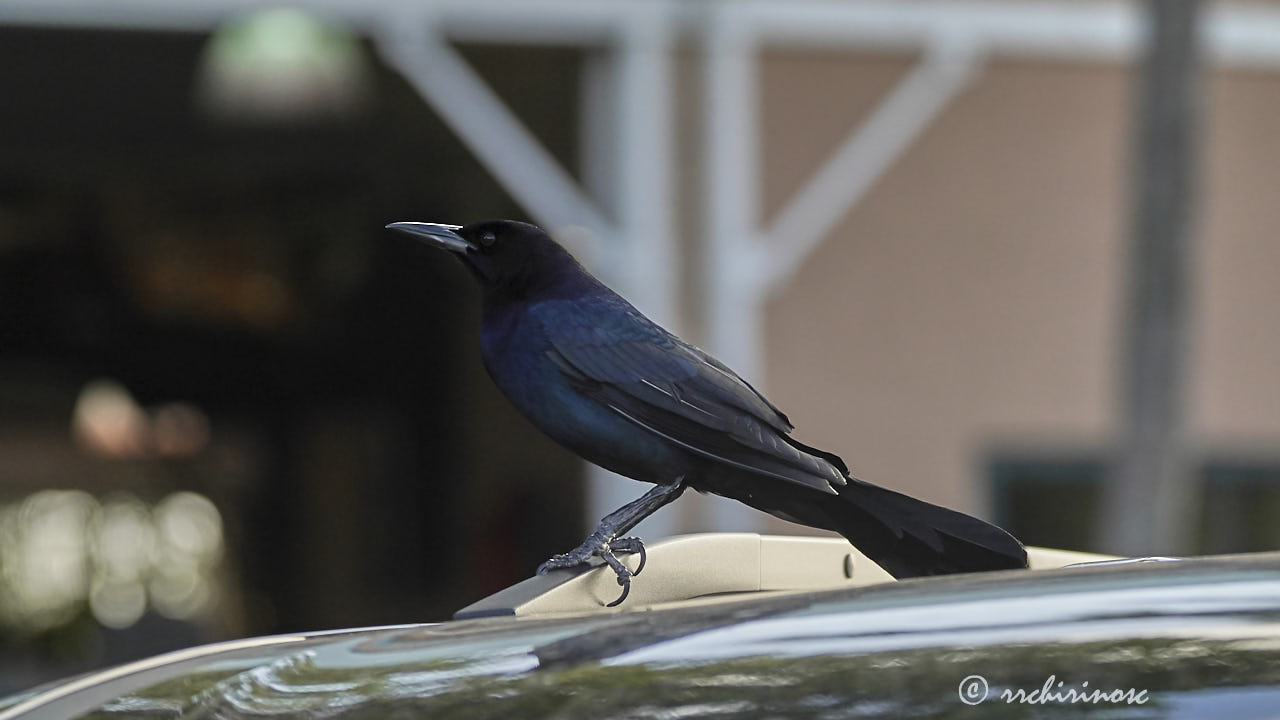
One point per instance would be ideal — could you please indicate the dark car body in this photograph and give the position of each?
(1183, 639)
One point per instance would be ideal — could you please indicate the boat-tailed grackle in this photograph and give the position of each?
(603, 380)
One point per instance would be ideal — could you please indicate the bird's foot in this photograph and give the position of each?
(598, 546)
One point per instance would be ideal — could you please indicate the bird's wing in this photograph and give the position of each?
(621, 359)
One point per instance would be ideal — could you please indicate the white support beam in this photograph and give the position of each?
(553, 22)
(645, 149)
(1235, 34)
(488, 127)
(629, 146)
(731, 144)
(561, 22)
(1095, 30)
(863, 158)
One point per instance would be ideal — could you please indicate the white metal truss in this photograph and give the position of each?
(746, 264)
(748, 257)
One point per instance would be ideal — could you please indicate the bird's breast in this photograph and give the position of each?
(517, 355)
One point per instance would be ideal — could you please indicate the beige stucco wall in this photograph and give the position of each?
(1235, 388)
(970, 301)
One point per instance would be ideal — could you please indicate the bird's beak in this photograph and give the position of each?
(443, 236)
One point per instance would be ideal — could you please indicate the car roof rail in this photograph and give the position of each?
(710, 567)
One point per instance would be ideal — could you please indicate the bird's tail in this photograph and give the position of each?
(909, 537)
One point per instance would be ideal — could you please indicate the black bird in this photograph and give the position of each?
(611, 385)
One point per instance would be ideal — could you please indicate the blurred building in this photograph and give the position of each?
(907, 221)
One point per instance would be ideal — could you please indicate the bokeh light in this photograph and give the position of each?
(44, 560)
(63, 550)
(190, 541)
(281, 64)
(107, 421)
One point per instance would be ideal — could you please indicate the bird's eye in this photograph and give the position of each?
(487, 239)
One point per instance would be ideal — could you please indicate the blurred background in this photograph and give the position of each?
(1013, 256)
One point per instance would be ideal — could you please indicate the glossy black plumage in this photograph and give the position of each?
(602, 379)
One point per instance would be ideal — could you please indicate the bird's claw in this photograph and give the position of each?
(624, 577)
(605, 550)
(630, 545)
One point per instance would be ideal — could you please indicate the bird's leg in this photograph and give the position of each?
(605, 539)
(605, 543)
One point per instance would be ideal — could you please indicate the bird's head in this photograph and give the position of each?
(506, 257)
